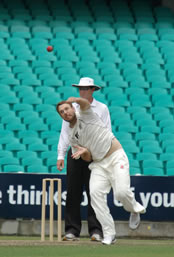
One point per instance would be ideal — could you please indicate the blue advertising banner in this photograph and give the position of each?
(21, 196)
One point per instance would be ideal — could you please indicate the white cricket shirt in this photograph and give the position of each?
(99, 108)
(90, 132)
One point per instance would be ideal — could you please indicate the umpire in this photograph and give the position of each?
(78, 173)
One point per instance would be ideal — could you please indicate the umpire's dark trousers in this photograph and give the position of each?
(78, 176)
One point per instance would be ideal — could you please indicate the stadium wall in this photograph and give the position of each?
(20, 202)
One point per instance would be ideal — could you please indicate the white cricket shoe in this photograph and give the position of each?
(134, 220)
(108, 240)
(96, 237)
(70, 237)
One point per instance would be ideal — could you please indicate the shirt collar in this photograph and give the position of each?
(94, 102)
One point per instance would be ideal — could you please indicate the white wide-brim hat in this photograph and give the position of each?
(86, 82)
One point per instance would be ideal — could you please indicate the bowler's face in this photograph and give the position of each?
(67, 112)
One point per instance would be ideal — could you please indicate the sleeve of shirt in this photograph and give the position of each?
(63, 143)
(88, 115)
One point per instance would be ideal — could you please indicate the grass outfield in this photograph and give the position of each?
(32, 247)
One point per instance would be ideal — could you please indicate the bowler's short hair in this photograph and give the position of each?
(60, 103)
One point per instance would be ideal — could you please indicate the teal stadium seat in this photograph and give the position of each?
(37, 169)
(153, 171)
(13, 168)
(31, 161)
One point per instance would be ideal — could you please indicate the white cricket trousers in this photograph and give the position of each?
(112, 171)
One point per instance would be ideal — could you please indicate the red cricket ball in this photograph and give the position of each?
(49, 48)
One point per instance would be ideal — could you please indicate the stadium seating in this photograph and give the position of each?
(127, 47)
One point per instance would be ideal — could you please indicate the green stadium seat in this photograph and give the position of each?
(160, 84)
(166, 136)
(48, 154)
(31, 100)
(62, 63)
(6, 115)
(139, 84)
(130, 148)
(153, 171)
(123, 136)
(17, 28)
(37, 147)
(134, 164)
(29, 140)
(140, 100)
(118, 120)
(163, 100)
(15, 147)
(25, 154)
(169, 171)
(43, 70)
(31, 160)
(116, 109)
(49, 99)
(8, 160)
(51, 161)
(166, 123)
(144, 136)
(151, 129)
(42, 91)
(64, 35)
(52, 82)
(145, 122)
(5, 133)
(10, 81)
(86, 35)
(44, 107)
(152, 148)
(100, 97)
(28, 115)
(34, 22)
(15, 126)
(79, 29)
(42, 34)
(168, 129)
(41, 63)
(135, 171)
(38, 126)
(40, 28)
(159, 109)
(142, 156)
(152, 163)
(106, 35)
(4, 34)
(163, 116)
(50, 114)
(121, 101)
(8, 139)
(136, 109)
(4, 153)
(166, 143)
(13, 168)
(27, 133)
(22, 107)
(45, 56)
(37, 169)
(128, 128)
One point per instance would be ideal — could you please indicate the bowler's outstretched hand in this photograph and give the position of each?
(82, 152)
(71, 99)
